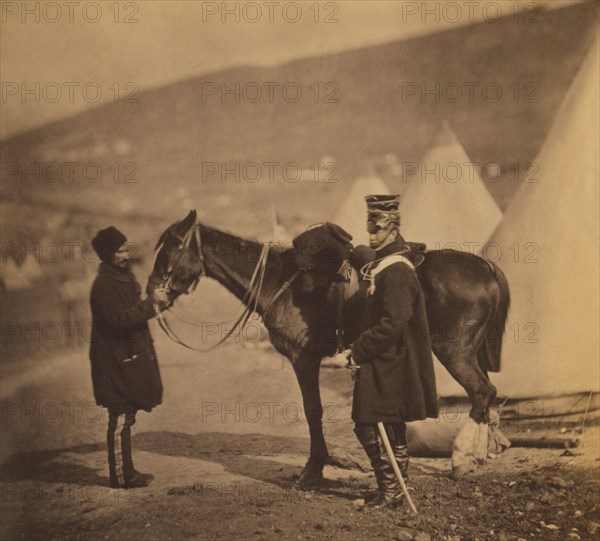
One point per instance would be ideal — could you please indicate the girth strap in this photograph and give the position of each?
(284, 287)
(339, 331)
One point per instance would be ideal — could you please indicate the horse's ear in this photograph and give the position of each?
(188, 221)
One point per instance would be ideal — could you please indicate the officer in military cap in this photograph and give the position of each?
(395, 381)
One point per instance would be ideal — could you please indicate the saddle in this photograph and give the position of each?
(321, 252)
(326, 256)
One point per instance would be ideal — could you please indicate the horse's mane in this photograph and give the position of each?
(232, 236)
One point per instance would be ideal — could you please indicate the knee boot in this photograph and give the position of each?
(389, 492)
(400, 447)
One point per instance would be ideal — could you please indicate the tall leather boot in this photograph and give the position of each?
(400, 447)
(389, 492)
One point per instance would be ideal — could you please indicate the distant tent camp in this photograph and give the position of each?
(446, 203)
(352, 214)
(550, 251)
(31, 268)
(12, 276)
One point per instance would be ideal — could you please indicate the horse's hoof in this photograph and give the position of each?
(310, 481)
(462, 471)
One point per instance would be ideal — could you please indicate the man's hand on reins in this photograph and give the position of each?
(160, 297)
(339, 360)
(351, 364)
(343, 360)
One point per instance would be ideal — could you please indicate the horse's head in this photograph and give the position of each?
(179, 261)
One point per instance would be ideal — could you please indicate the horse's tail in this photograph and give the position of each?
(490, 350)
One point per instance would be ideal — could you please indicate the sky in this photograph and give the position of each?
(58, 58)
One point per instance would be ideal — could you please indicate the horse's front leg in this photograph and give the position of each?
(307, 372)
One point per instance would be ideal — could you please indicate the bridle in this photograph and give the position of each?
(184, 243)
(251, 297)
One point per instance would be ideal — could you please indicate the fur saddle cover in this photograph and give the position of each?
(326, 255)
(322, 253)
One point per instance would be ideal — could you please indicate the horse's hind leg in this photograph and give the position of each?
(459, 357)
(465, 369)
(470, 445)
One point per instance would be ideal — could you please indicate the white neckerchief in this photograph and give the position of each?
(367, 272)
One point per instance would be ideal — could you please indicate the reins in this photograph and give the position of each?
(251, 297)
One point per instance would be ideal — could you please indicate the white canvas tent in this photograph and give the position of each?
(446, 203)
(352, 214)
(31, 268)
(551, 346)
(12, 276)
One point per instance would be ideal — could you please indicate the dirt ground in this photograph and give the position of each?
(226, 447)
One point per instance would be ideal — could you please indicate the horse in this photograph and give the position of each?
(464, 293)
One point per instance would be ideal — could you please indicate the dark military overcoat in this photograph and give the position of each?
(125, 372)
(396, 381)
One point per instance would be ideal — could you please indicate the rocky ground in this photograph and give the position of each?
(226, 447)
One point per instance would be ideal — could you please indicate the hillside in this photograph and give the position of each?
(163, 140)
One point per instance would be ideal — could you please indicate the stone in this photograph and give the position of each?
(593, 527)
(558, 482)
(405, 534)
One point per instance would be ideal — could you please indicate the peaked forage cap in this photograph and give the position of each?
(352, 214)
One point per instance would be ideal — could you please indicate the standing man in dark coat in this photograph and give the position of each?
(125, 372)
(395, 382)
